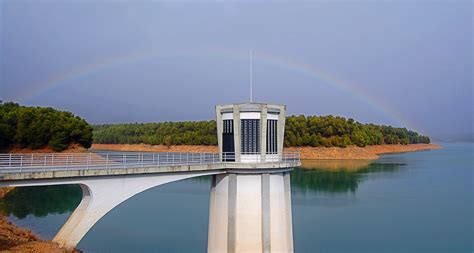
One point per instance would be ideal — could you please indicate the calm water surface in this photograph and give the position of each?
(414, 202)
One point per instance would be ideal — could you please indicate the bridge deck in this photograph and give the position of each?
(62, 165)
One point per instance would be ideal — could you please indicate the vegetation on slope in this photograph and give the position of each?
(334, 131)
(328, 131)
(166, 133)
(36, 127)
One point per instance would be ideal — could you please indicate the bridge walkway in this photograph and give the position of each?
(63, 165)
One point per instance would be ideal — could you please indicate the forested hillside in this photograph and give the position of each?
(36, 127)
(313, 131)
(166, 133)
(334, 131)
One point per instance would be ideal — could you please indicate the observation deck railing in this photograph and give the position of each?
(37, 162)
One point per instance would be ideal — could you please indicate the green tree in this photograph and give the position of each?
(36, 127)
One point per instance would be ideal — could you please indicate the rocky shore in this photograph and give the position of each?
(349, 153)
(358, 153)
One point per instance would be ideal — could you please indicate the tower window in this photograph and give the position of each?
(228, 140)
(272, 147)
(250, 136)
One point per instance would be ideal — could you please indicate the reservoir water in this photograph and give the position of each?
(412, 202)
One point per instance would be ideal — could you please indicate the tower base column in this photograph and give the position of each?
(250, 212)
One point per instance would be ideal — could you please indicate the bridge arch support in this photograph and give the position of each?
(102, 194)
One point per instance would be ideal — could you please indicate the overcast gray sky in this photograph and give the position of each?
(406, 63)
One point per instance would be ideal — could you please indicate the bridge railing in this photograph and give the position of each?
(65, 161)
(289, 157)
(35, 162)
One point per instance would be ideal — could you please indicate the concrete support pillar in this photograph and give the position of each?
(250, 213)
(263, 133)
(281, 129)
(219, 131)
(236, 116)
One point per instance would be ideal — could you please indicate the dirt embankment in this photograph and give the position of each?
(355, 152)
(73, 148)
(351, 152)
(156, 148)
(16, 239)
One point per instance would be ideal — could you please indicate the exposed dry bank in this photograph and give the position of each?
(16, 239)
(351, 152)
(355, 152)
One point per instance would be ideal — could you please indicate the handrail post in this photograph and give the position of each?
(31, 165)
(10, 161)
(67, 161)
(143, 165)
(21, 163)
(52, 160)
(44, 165)
(107, 161)
(124, 160)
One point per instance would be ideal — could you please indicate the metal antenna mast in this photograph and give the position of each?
(251, 78)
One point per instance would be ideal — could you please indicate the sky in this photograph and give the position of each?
(404, 63)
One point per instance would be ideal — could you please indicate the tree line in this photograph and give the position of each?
(36, 127)
(315, 131)
(165, 133)
(335, 131)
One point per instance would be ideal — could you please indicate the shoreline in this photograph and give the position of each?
(14, 238)
(18, 239)
(307, 153)
(359, 153)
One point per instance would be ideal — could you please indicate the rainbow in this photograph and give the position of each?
(303, 68)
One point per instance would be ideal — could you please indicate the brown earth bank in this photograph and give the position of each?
(349, 153)
(356, 153)
(73, 148)
(156, 148)
(16, 239)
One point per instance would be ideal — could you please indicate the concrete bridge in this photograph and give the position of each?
(250, 203)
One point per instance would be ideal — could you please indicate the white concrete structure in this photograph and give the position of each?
(250, 213)
(251, 132)
(250, 210)
(250, 202)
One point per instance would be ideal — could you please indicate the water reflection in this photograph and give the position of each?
(41, 200)
(333, 176)
(336, 176)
